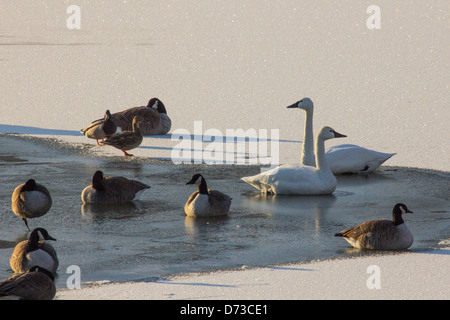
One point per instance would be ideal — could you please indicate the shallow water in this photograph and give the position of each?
(152, 237)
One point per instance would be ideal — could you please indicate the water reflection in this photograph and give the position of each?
(101, 211)
(198, 228)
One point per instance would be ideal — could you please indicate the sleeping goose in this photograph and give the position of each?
(100, 129)
(206, 202)
(127, 140)
(346, 158)
(34, 251)
(35, 284)
(30, 200)
(381, 234)
(112, 189)
(156, 120)
(300, 179)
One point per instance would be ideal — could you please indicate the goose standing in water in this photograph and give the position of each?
(35, 284)
(34, 252)
(127, 140)
(381, 234)
(112, 189)
(156, 121)
(346, 158)
(300, 179)
(30, 200)
(100, 129)
(206, 202)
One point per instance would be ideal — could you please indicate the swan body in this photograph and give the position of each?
(300, 179)
(112, 190)
(350, 158)
(30, 200)
(381, 234)
(346, 158)
(34, 252)
(206, 202)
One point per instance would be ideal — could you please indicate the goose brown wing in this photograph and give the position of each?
(373, 226)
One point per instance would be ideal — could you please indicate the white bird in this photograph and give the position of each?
(345, 158)
(300, 179)
(381, 234)
(206, 202)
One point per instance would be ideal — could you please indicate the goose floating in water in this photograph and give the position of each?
(300, 179)
(127, 140)
(346, 158)
(206, 202)
(35, 284)
(34, 252)
(100, 129)
(112, 189)
(381, 234)
(156, 121)
(30, 200)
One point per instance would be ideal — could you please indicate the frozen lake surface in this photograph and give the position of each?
(152, 238)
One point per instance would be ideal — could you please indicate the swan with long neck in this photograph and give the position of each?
(300, 179)
(345, 158)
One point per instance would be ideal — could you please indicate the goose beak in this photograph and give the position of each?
(190, 182)
(51, 238)
(339, 135)
(409, 211)
(292, 106)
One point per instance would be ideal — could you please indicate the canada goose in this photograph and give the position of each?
(100, 129)
(30, 200)
(345, 158)
(300, 179)
(206, 202)
(156, 120)
(34, 284)
(112, 189)
(127, 140)
(381, 234)
(34, 251)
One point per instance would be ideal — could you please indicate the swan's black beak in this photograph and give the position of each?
(339, 135)
(293, 105)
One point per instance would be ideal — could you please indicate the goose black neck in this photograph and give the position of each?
(33, 241)
(202, 188)
(397, 218)
(97, 181)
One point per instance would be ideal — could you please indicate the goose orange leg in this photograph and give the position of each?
(126, 153)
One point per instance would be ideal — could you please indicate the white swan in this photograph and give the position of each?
(300, 179)
(345, 158)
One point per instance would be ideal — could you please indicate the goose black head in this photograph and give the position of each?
(30, 185)
(41, 234)
(399, 210)
(157, 104)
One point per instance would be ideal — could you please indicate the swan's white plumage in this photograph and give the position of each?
(300, 179)
(350, 158)
(345, 158)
